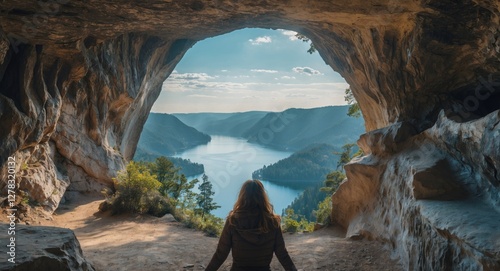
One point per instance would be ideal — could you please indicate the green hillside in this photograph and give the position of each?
(227, 124)
(310, 164)
(166, 135)
(294, 129)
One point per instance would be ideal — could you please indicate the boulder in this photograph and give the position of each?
(43, 249)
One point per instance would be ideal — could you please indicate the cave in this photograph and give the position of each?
(78, 80)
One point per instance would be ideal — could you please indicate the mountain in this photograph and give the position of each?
(294, 129)
(165, 135)
(227, 124)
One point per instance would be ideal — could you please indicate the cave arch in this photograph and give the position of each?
(77, 80)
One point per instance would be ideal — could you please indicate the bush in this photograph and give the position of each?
(291, 222)
(209, 224)
(136, 190)
(324, 211)
(159, 205)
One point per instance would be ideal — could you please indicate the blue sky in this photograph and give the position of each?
(250, 69)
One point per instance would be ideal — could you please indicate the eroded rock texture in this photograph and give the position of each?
(433, 196)
(44, 248)
(77, 79)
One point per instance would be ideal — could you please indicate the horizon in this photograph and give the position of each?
(251, 69)
(236, 112)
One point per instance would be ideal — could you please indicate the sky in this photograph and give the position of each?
(250, 69)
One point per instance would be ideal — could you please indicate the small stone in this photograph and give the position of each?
(189, 265)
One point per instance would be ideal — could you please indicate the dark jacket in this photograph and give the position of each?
(252, 250)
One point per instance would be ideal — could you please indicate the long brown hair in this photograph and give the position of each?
(252, 197)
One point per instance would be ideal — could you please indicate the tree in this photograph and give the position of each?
(205, 200)
(354, 109)
(332, 182)
(345, 156)
(167, 173)
(186, 194)
(303, 38)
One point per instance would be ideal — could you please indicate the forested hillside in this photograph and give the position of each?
(227, 124)
(165, 135)
(294, 129)
(310, 164)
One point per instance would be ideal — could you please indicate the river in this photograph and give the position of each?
(229, 162)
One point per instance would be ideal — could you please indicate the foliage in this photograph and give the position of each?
(315, 202)
(209, 223)
(346, 155)
(166, 173)
(296, 223)
(307, 201)
(159, 205)
(354, 109)
(186, 166)
(205, 200)
(134, 185)
(138, 190)
(324, 211)
(309, 164)
(173, 185)
(312, 48)
(332, 182)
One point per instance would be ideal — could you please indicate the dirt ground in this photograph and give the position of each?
(132, 242)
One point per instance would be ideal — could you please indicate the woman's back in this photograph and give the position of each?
(252, 232)
(251, 247)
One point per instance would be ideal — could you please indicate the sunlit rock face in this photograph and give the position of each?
(78, 78)
(433, 196)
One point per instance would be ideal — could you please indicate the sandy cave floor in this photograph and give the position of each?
(133, 242)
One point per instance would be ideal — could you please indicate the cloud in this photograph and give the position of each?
(290, 34)
(201, 96)
(286, 77)
(264, 71)
(191, 76)
(224, 70)
(260, 40)
(306, 70)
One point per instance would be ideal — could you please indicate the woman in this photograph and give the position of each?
(253, 233)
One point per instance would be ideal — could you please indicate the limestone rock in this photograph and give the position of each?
(436, 210)
(45, 249)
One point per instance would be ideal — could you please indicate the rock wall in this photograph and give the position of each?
(77, 79)
(419, 193)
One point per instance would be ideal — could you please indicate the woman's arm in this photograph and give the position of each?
(223, 249)
(282, 253)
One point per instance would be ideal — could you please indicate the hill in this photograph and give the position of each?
(227, 124)
(294, 129)
(310, 164)
(165, 135)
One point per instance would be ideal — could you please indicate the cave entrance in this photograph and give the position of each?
(261, 97)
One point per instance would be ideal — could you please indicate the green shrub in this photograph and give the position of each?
(324, 211)
(136, 189)
(209, 224)
(158, 205)
(295, 223)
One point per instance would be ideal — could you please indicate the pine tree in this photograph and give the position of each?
(205, 200)
(166, 173)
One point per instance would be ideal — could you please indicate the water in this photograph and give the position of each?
(229, 162)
